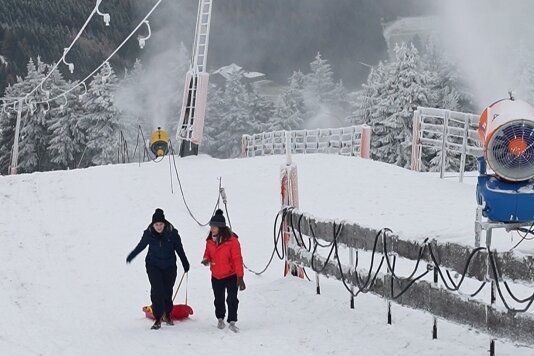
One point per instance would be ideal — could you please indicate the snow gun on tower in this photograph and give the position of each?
(505, 196)
(159, 142)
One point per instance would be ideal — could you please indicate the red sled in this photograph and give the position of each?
(179, 311)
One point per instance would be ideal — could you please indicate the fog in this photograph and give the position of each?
(153, 97)
(491, 41)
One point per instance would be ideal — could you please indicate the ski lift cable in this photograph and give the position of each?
(106, 61)
(65, 52)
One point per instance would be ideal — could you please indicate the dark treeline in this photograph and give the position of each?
(275, 37)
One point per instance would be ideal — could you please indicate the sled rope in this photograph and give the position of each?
(178, 288)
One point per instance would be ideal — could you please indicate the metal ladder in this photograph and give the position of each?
(198, 65)
(202, 34)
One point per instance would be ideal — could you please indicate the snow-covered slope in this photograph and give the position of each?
(66, 289)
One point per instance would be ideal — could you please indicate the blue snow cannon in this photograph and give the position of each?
(507, 132)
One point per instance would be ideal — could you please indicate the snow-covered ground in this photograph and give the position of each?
(66, 289)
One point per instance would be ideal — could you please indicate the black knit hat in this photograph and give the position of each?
(158, 216)
(218, 219)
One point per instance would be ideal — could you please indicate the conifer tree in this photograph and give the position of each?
(68, 140)
(100, 121)
(34, 137)
(291, 111)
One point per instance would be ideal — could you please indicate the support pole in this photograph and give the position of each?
(15, 156)
(444, 144)
(435, 321)
(492, 294)
(351, 264)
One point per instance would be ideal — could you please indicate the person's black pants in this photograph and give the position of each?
(161, 283)
(220, 286)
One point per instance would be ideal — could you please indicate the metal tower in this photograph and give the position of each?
(194, 102)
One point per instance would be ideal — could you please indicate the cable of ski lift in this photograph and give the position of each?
(66, 50)
(142, 40)
(46, 92)
(84, 91)
(62, 106)
(105, 16)
(68, 64)
(111, 55)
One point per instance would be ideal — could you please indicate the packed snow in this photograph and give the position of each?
(66, 289)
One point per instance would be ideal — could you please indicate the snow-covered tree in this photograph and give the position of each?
(67, 138)
(320, 82)
(262, 110)
(291, 111)
(8, 119)
(447, 85)
(366, 105)
(34, 137)
(229, 117)
(323, 96)
(389, 106)
(101, 120)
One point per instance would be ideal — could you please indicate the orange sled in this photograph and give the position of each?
(179, 311)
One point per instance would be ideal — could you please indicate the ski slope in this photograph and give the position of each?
(66, 289)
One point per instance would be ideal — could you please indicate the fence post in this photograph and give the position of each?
(351, 264)
(365, 142)
(244, 146)
(289, 197)
(444, 144)
(416, 157)
(464, 148)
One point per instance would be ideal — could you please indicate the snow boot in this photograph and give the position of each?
(221, 324)
(157, 325)
(233, 327)
(167, 319)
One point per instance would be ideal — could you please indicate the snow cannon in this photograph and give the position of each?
(159, 142)
(506, 130)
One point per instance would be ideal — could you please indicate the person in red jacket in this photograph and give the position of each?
(223, 255)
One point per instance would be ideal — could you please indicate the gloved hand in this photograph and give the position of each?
(241, 283)
(129, 259)
(205, 262)
(186, 268)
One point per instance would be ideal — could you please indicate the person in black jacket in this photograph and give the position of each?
(163, 241)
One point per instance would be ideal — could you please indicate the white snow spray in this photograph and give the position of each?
(153, 97)
(485, 37)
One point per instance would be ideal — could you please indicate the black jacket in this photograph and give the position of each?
(161, 248)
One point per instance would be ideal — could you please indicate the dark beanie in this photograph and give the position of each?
(158, 216)
(218, 219)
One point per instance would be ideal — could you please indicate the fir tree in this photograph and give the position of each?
(68, 139)
(321, 92)
(8, 119)
(367, 101)
(233, 118)
(291, 110)
(34, 137)
(392, 109)
(262, 111)
(448, 89)
(101, 119)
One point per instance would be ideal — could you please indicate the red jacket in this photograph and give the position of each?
(225, 259)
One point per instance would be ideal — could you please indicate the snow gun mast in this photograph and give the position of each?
(194, 102)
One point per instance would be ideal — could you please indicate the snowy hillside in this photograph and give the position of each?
(66, 289)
